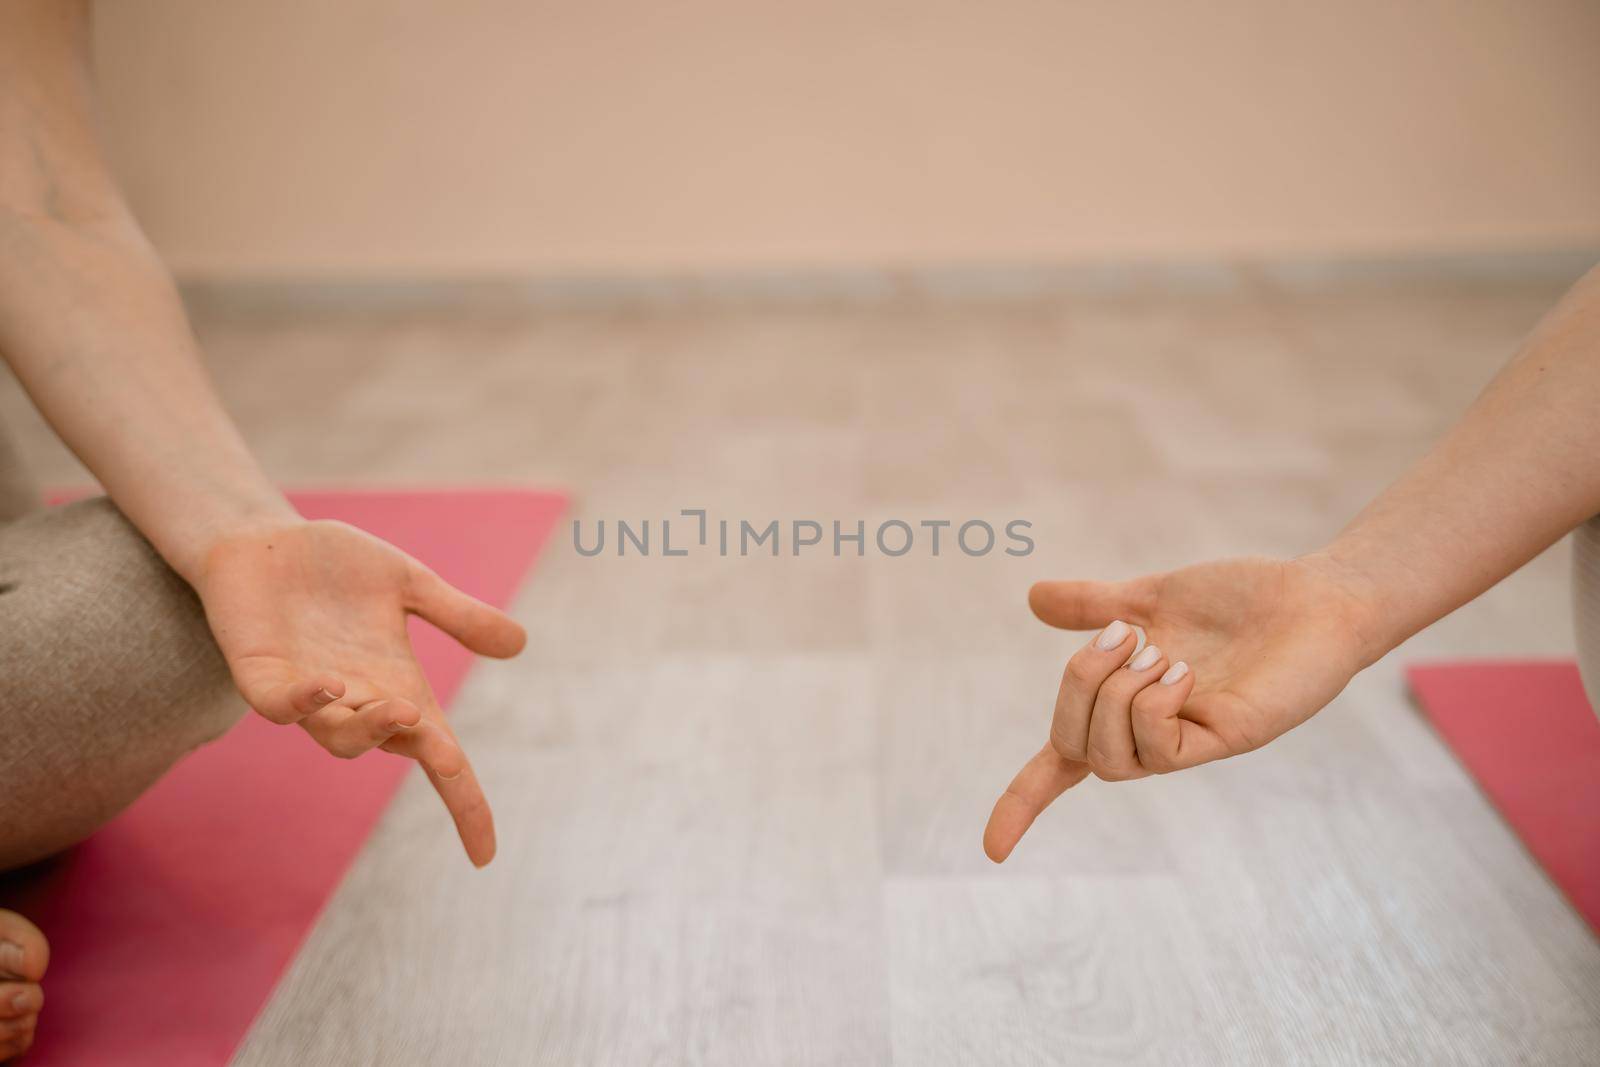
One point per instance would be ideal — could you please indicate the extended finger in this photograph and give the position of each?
(464, 798)
(1111, 750)
(481, 627)
(434, 745)
(1043, 778)
(1085, 672)
(349, 732)
(1165, 739)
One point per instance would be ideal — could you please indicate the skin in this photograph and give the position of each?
(91, 323)
(1268, 643)
(311, 616)
(23, 959)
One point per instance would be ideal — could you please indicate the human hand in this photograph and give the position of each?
(1240, 651)
(311, 617)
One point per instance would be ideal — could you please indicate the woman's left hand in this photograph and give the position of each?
(311, 617)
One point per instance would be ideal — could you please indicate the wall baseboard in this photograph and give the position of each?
(878, 286)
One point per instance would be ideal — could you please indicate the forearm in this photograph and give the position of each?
(96, 334)
(89, 318)
(1518, 471)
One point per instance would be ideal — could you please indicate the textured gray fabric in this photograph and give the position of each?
(108, 675)
(18, 494)
(1586, 605)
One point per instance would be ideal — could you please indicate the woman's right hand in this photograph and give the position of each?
(1239, 652)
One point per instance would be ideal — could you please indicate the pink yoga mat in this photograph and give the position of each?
(170, 927)
(1527, 734)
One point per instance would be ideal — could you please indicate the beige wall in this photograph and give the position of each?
(372, 138)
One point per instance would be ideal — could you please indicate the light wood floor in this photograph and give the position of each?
(740, 799)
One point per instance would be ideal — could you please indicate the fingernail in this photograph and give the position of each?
(1175, 673)
(1112, 636)
(322, 696)
(452, 777)
(400, 725)
(20, 1002)
(1146, 659)
(11, 956)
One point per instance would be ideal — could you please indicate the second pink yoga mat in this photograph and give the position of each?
(1527, 734)
(171, 926)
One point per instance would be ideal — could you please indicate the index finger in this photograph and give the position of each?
(464, 798)
(434, 745)
(1043, 778)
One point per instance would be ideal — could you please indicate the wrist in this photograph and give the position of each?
(223, 518)
(1357, 597)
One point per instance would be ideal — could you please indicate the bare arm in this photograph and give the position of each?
(1519, 470)
(1243, 650)
(89, 318)
(311, 616)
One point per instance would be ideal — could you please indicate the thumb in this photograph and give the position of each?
(1091, 605)
(481, 627)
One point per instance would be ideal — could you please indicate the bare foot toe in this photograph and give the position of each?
(24, 953)
(24, 956)
(16, 1036)
(19, 999)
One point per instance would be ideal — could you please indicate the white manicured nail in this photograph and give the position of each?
(1146, 659)
(1112, 636)
(1175, 673)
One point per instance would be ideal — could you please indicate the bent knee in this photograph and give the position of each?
(101, 619)
(111, 674)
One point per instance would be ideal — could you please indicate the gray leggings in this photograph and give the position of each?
(1586, 605)
(108, 672)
